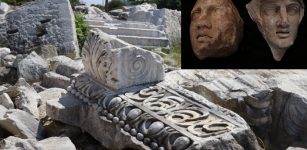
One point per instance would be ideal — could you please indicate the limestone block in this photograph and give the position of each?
(32, 68)
(26, 98)
(13, 142)
(52, 143)
(49, 94)
(52, 79)
(52, 23)
(117, 64)
(150, 117)
(21, 124)
(6, 101)
(65, 66)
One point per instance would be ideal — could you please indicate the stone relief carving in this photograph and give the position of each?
(117, 64)
(216, 28)
(155, 115)
(278, 21)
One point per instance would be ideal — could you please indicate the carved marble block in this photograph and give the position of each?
(117, 64)
(278, 21)
(157, 116)
(216, 28)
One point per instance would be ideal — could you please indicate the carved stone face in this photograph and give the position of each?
(278, 21)
(216, 28)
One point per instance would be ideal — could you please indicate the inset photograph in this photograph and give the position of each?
(244, 34)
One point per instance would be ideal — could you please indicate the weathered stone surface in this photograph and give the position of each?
(4, 8)
(32, 68)
(4, 51)
(25, 97)
(52, 79)
(15, 143)
(46, 95)
(65, 66)
(171, 19)
(225, 34)
(117, 64)
(43, 22)
(8, 60)
(295, 148)
(2, 111)
(6, 101)
(47, 51)
(52, 143)
(273, 26)
(153, 116)
(271, 101)
(21, 124)
(57, 143)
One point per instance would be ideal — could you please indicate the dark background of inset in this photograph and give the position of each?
(253, 52)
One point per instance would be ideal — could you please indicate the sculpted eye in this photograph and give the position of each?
(293, 9)
(195, 13)
(270, 10)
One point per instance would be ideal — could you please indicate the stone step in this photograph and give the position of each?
(145, 41)
(125, 24)
(130, 31)
(95, 22)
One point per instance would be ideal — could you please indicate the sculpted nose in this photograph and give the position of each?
(284, 22)
(204, 21)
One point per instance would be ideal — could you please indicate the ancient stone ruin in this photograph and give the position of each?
(120, 96)
(144, 25)
(142, 113)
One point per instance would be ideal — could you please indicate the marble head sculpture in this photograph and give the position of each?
(278, 21)
(216, 28)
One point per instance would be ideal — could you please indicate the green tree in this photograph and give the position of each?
(115, 4)
(74, 3)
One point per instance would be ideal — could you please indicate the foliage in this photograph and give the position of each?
(171, 56)
(16, 2)
(81, 28)
(115, 4)
(74, 3)
(98, 6)
(170, 4)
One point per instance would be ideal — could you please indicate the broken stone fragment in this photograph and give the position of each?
(52, 143)
(6, 101)
(25, 97)
(46, 95)
(32, 68)
(65, 66)
(21, 124)
(51, 79)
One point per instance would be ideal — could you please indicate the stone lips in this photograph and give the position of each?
(117, 64)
